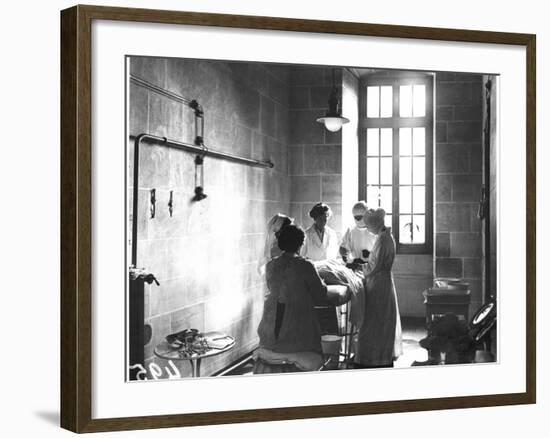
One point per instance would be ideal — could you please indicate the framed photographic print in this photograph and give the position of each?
(268, 218)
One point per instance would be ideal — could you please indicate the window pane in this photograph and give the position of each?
(419, 141)
(386, 199)
(405, 227)
(405, 100)
(387, 220)
(386, 101)
(373, 193)
(404, 170)
(419, 170)
(372, 141)
(405, 201)
(386, 141)
(386, 170)
(405, 141)
(419, 229)
(419, 100)
(372, 171)
(419, 199)
(373, 102)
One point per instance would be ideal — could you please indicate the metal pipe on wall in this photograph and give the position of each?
(197, 148)
(163, 141)
(159, 90)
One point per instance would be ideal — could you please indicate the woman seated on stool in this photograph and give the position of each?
(290, 336)
(379, 339)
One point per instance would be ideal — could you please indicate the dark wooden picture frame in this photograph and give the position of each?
(76, 218)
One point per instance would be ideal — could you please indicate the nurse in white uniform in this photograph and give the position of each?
(321, 241)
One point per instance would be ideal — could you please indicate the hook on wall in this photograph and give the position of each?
(482, 205)
(153, 201)
(171, 203)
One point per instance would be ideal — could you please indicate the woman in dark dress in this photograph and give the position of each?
(289, 326)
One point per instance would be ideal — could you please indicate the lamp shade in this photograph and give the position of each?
(333, 119)
(333, 123)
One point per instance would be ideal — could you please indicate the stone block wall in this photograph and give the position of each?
(315, 154)
(458, 179)
(350, 146)
(205, 255)
(412, 274)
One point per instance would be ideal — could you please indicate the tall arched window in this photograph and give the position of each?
(396, 154)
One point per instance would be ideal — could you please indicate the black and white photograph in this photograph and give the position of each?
(290, 218)
(275, 219)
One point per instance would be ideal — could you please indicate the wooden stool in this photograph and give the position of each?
(262, 366)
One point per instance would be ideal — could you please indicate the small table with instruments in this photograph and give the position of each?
(214, 343)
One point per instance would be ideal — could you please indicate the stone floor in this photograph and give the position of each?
(413, 331)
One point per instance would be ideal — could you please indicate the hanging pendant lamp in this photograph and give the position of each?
(333, 119)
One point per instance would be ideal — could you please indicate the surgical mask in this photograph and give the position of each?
(359, 222)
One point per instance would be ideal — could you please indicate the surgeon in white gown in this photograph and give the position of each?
(355, 248)
(358, 241)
